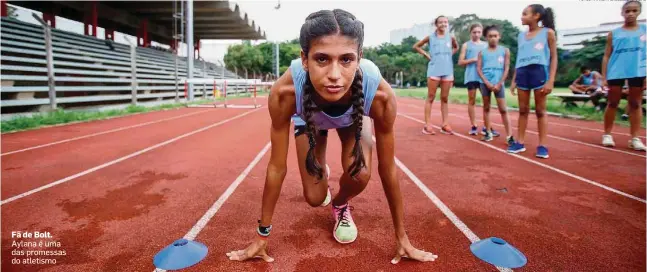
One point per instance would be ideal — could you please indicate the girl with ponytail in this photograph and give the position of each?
(332, 87)
(535, 70)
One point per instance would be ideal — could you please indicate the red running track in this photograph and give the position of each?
(119, 217)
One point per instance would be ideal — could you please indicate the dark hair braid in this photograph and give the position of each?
(309, 108)
(357, 97)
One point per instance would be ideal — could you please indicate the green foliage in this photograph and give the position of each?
(392, 59)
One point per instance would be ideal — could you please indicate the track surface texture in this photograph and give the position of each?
(116, 192)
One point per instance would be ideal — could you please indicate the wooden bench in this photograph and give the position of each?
(570, 99)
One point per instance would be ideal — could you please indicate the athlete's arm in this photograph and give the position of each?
(577, 80)
(383, 112)
(454, 45)
(605, 59)
(513, 84)
(552, 45)
(461, 58)
(418, 47)
(506, 68)
(281, 104)
(479, 70)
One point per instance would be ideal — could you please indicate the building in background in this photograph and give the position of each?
(418, 30)
(570, 39)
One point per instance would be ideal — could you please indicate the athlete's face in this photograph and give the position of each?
(493, 37)
(476, 33)
(442, 23)
(528, 16)
(586, 72)
(631, 12)
(332, 63)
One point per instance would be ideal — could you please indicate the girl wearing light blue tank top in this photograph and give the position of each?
(493, 65)
(332, 87)
(440, 71)
(624, 60)
(535, 70)
(468, 58)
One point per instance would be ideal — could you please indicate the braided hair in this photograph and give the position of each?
(319, 24)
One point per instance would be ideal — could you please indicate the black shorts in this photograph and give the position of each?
(299, 130)
(473, 85)
(531, 77)
(633, 82)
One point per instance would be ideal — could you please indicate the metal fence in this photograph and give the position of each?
(45, 68)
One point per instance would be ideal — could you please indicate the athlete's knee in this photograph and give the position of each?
(472, 101)
(524, 110)
(502, 110)
(314, 199)
(486, 108)
(444, 98)
(613, 104)
(431, 97)
(633, 104)
(540, 113)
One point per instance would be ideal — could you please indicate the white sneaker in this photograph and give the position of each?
(607, 140)
(328, 194)
(637, 144)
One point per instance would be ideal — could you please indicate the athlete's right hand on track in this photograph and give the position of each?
(406, 250)
(258, 249)
(513, 88)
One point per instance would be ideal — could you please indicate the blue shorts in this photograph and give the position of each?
(531, 77)
(486, 92)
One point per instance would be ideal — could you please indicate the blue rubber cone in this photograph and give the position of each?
(180, 254)
(498, 252)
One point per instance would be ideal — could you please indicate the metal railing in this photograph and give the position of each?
(45, 68)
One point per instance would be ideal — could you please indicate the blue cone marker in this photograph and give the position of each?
(498, 252)
(180, 254)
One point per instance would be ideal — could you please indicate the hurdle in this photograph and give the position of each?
(225, 103)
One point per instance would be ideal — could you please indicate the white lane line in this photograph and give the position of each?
(99, 133)
(211, 212)
(556, 137)
(538, 163)
(554, 123)
(564, 139)
(441, 206)
(60, 181)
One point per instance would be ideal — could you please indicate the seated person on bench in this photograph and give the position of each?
(588, 82)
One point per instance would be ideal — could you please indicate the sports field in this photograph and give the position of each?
(114, 192)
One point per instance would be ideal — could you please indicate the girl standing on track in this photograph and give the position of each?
(468, 58)
(535, 70)
(492, 67)
(332, 87)
(440, 70)
(624, 59)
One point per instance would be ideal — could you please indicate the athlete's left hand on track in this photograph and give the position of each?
(258, 249)
(410, 252)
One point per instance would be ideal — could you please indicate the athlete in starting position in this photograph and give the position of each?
(332, 87)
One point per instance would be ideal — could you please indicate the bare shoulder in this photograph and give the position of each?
(282, 101)
(384, 106)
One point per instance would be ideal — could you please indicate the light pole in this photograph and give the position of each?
(276, 47)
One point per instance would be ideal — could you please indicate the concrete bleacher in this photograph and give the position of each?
(89, 71)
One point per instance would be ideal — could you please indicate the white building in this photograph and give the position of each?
(570, 39)
(418, 30)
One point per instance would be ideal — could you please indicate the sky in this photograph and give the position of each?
(380, 17)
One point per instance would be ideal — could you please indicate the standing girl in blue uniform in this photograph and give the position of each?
(332, 87)
(468, 58)
(535, 71)
(440, 71)
(492, 67)
(624, 59)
